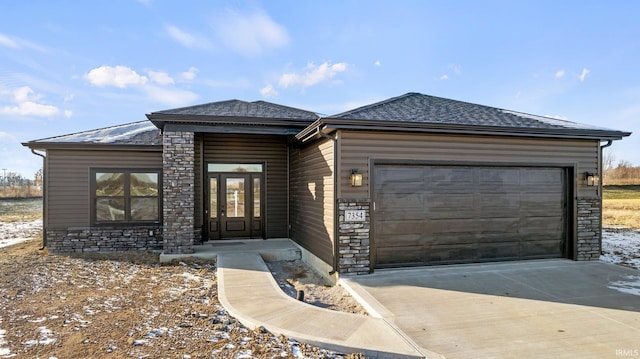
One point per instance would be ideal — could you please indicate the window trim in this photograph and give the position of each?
(127, 196)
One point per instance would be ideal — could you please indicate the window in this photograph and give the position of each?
(125, 196)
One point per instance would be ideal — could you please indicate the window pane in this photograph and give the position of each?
(144, 209)
(144, 184)
(109, 184)
(213, 198)
(256, 197)
(234, 167)
(235, 197)
(109, 209)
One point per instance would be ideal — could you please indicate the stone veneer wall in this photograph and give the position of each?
(589, 229)
(104, 239)
(179, 193)
(354, 250)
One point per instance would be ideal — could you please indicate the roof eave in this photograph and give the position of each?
(329, 124)
(34, 145)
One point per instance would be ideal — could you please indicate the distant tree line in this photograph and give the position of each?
(620, 172)
(14, 185)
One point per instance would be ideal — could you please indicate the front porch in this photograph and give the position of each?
(273, 249)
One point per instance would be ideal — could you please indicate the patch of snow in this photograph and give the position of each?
(45, 338)
(18, 232)
(631, 285)
(621, 246)
(105, 135)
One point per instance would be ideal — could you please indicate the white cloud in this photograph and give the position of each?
(559, 74)
(377, 63)
(69, 97)
(186, 39)
(7, 41)
(68, 113)
(457, 69)
(170, 96)
(25, 104)
(30, 108)
(312, 75)
(189, 74)
(444, 77)
(119, 76)
(268, 91)
(160, 77)
(7, 137)
(18, 43)
(250, 34)
(583, 75)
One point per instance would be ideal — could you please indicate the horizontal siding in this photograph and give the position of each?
(357, 148)
(272, 150)
(313, 199)
(68, 197)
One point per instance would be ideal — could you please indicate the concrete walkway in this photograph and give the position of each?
(247, 289)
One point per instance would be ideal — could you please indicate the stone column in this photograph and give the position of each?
(589, 235)
(178, 192)
(354, 221)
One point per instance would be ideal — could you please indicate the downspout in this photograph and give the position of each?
(336, 250)
(609, 143)
(44, 198)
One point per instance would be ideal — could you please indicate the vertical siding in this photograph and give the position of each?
(357, 148)
(68, 202)
(313, 198)
(270, 149)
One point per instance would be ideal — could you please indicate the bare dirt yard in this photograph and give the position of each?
(127, 305)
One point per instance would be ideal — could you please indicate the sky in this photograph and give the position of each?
(71, 66)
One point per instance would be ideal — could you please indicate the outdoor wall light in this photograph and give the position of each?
(591, 178)
(356, 178)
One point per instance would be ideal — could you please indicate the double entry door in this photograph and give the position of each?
(235, 207)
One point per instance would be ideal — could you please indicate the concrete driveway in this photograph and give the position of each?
(530, 309)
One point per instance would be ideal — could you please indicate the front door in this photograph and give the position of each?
(235, 205)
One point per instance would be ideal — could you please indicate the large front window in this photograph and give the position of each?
(125, 196)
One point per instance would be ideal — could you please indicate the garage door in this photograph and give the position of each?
(458, 214)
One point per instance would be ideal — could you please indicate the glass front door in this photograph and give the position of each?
(235, 205)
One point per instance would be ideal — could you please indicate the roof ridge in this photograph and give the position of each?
(375, 104)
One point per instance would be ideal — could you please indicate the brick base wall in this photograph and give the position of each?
(354, 249)
(103, 239)
(589, 234)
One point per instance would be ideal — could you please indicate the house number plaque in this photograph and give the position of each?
(355, 216)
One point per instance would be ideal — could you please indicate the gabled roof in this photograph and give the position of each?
(418, 112)
(228, 115)
(142, 133)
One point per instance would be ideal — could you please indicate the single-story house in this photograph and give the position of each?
(412, 180)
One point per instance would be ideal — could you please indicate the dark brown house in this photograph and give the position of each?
(411, 180)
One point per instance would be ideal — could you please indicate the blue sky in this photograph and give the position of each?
(69, 66)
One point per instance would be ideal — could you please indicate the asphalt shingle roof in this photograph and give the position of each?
(419, 108)
(237, 108)
(136, 133)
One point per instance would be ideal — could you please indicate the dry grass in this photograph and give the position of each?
(621, 206)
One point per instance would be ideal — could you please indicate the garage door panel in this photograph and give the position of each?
(468, 214)
(401, 255)
(399, 227)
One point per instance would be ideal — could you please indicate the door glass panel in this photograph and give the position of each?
(234, 167)
(235, 197)
(256, 198)
(213, 198)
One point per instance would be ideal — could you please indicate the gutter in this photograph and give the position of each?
(44, 198)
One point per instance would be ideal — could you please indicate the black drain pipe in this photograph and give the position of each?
(44, 198)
